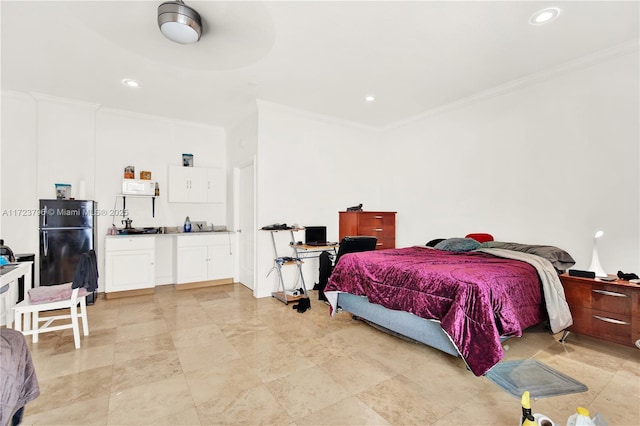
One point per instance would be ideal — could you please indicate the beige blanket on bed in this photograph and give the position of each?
(555, 301)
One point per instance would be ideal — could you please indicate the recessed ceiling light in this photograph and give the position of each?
(370, 98)
(130, 83)
(544, 16)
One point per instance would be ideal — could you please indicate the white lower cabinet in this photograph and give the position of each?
(129, 263)
(204, 258)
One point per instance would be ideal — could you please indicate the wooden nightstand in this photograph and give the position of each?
(606, 310)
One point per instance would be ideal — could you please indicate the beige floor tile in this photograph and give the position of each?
(219, 356)
(200, 335)
(256, 342)
(188, 417)
(141, 330)
(144, 346)
(357, 372)
(619, 401)
(223, 382)
(277, 362)
(144, 312)
(446, 384)
(76, 362)
(306, 391)
(255, 406)
(218, 350)
(232, 326)
(401, 401)
(190, 318)
(85, 412)
(144, 404)
(148, 369)
(349, 411)
(66, 389)
(402, 355)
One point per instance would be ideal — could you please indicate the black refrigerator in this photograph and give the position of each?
(67, 230)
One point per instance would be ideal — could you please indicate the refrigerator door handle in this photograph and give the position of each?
(45, 242)
(44, 216)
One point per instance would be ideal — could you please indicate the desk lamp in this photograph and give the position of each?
(595, 261)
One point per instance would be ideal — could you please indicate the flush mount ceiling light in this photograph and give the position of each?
(544, 16)
(370, 98)
(178, 22)
(130, 83)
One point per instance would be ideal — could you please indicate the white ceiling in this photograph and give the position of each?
(319, 56)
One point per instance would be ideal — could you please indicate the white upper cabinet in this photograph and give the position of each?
(197, 185)
(216, 185)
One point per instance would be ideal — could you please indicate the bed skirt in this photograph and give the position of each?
(428, 332)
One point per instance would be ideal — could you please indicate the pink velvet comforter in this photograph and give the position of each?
(476, 297)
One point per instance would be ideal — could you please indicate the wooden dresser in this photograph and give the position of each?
(381, 225)
(606, 310)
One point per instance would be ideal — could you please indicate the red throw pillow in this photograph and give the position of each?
(480, 237)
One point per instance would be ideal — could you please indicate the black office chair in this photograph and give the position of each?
(355, 244)
(347, 245)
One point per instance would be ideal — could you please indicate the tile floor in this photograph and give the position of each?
(219, 356)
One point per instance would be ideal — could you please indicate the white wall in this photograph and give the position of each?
(310, 168)
(18, 227)
(548, 163)
(66, 132)
(47, 140)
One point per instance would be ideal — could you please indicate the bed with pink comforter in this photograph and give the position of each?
(477, 297)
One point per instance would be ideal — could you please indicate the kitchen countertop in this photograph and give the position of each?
(170, 234)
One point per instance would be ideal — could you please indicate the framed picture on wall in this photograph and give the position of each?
(187, 160)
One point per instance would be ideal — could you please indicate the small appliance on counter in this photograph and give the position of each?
(138, 187)
(6, 253)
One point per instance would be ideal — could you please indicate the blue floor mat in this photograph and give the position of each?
(539, 379)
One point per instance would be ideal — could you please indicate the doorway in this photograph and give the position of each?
(246, 219)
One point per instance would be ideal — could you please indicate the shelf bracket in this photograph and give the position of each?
(153, 205)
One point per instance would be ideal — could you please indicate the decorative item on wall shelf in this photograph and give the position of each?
(187, 160)
(144, 175)
(63, 191)
(130, 172)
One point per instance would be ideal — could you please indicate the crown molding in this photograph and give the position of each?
(41, 97)
(312, 115)
(601, 56)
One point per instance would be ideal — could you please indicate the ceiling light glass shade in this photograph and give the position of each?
(595, 261)
(178, 22)
(544, 16)
(130, 83)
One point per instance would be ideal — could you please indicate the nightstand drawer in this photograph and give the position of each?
(610, 299)
(592, 322)
(617, 328)
(599, 296)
